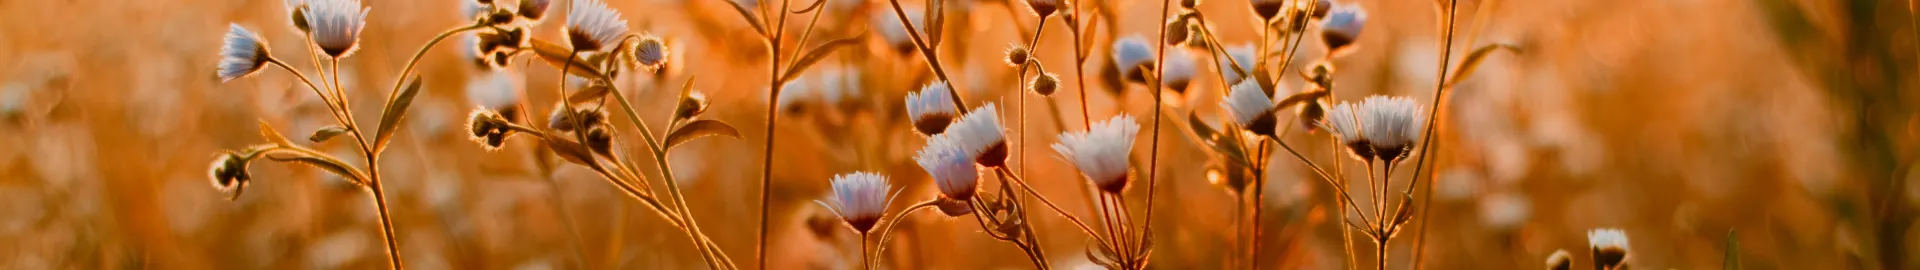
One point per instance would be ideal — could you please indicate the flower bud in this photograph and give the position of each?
(600, 140)
(1177, 33)
(561, 121)
(1267, 9)
(1189, 4)
(1045, 84)
(651, 52)
(501, 16)
(691, 106)
(1560, 260)
(534, 9)
(229, 174)
(1342, 27)
(1018, 55)
(299, 17)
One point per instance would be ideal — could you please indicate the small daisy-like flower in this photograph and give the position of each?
(243, 53)
(1131, 56)
(950, 165)
(1342, 27)
(1180, 71)
(1242, 54)
(495, 90)
(1101, 152)
(591, 25)
(860, 198)
(1250, 108)
(1609, 248)
(533, 10)
(1560, 260)
(1044, 7)
(1344, 123)
(980, 133)
(931, 109)
(1391, 124)
(650, 52)
(229, 175)
(336, 25)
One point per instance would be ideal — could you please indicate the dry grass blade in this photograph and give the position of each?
(329, 164)
(936, 20)
(555, 55)
(700, 128)
(816, 54)
(395, 110)
(273, 135)
(1473, 61)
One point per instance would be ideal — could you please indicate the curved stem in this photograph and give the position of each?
(666, 172)
(316, 90)
(887, 233)
(408, 70)
(1324, 177)
(1426, 138)
(1056, 208)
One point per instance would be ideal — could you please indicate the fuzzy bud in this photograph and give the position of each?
(600, 140)
(1189, 4)
(534, 9)
(561, 121)
(1018, 55)
(1177, 31)
(299, 16)
(1267, 9)
(501, 17)
(952, 207)
(1310, 113)
(1560, 260)
(1044, 7)
(488, 128)
(1045, 84)
(229, 174)
(691, 106)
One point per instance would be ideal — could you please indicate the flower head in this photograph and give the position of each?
(591, 25)
(1130, 55)
(1044, 7)
(1250, 107)
(229, 174)
(1267, 9)
(931, 109)
(1560, 260)
(1344, 123)
(1342, 27)
(950, 165)
(979, 132)
(650, 52)
(297, 12)
(1179, 71)
(533, 10)
(1609, 248)
(1242, 54)
(1101, 152)
(860, 198)
(242, 54)
(336, 25)
(1391, 124)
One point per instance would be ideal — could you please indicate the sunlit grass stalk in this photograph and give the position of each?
(1153, 154)
(772, 36)
(1426, 137)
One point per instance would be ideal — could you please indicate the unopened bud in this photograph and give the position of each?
(1045, 84)
(1018, 55)
(691, 106)
(1177, 31)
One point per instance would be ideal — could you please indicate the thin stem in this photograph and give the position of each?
(1259, 202)
(1056, 208)
(773, 112)
(408, 70)
(1079, 66)
(1323, 176)
(887, 233)
(1153, 155)
(933, 59)
(666, 172)
(386, 219)
(316, 89)
(1295, 48)
(865, 260)
(1346, 232)
(1426, 137)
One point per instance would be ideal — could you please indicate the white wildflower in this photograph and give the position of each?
(242, 54)
(1101, 152)
(336, 25)
(860, 198)
(591, 25)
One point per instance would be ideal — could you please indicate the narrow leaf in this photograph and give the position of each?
(396, 109)
(700, 128)
(1200, 128)
(593, 91)
(1473, 61)
(570, 151)
(329, 164)
(325, 133)
(273, 135)
(935, 17)
(748, 15)
(816, 54)
(555, 55)
(1302, 97)
(1732, 260)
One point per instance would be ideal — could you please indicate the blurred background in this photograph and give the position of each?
(1790, 123)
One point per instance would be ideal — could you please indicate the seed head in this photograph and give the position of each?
(1609, 248)
(1101, 152)
(979, 132)
(951, 165)
(591, 25)
(860, 198)
(1017, 55)
(242, 54)
(533, 10)
(1131, 57)
(650, 52)
(336, 25)
(1267, 9)
(1250, 107)
(931, 109)
(1342, 27)
(229, 174)
(1045, 84)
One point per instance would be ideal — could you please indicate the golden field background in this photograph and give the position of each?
(1790, 122)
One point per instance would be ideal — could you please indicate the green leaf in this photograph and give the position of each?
(396, 109)
(329, 164)
(816, 54)
(273, 135)
(1473, 61)
(325, 133)
(700, 128)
